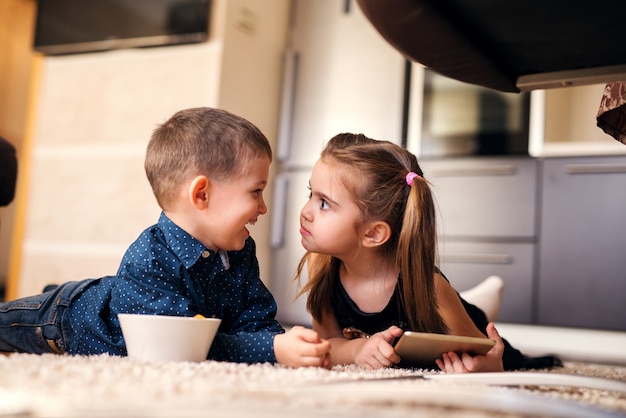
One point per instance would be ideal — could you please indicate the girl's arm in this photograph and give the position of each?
(459, 323)
(342, 351)
(452, 310)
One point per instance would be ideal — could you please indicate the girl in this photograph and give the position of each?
(369, 231)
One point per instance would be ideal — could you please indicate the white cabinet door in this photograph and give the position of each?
(347, 78)
(290, 194)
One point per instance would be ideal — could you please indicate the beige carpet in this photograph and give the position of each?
(105, 386)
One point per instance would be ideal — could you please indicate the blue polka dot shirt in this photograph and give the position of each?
(168, 272)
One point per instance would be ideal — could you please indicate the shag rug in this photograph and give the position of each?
(108, 386)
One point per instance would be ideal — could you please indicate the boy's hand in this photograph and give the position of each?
(490, 362)
(377, 351)
(300, 347)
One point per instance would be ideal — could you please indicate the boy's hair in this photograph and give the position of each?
(200, 141)
(375, 175)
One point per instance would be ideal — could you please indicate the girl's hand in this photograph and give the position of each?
(376, 351)
(301, 347)
(490, 362)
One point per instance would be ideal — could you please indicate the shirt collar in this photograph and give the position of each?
(181, 243)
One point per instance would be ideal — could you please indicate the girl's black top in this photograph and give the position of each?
(348, 315)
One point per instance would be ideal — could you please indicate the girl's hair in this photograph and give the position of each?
(200, 141)
(375, 174)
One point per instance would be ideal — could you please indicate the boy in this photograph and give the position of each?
(208, 169)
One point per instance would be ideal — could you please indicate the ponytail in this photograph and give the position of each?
(415, 256)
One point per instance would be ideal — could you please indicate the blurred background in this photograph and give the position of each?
(528, 188)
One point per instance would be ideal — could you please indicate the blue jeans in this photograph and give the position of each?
(39, 324)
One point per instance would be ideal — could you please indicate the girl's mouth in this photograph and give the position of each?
(304, 231)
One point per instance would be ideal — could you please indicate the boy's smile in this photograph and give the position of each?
(234, 204)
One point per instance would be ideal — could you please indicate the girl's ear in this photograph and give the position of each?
(377, 233)
(199, 192)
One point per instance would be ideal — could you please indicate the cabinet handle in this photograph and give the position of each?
(494, 170)
(479, 258)
(287, 103)
(279, 211)
(594, 168)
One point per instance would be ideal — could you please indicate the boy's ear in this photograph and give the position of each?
(199, 192)
(377, 233)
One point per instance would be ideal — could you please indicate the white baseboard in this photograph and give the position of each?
(569, 344)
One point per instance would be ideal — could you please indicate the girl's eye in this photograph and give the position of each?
(323, 202)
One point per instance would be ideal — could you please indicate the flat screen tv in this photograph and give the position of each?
(76, 26)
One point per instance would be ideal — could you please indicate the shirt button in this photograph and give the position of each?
(205, 254)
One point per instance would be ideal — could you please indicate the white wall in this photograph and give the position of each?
(87, 197)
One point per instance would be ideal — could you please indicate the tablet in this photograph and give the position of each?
(424, 348)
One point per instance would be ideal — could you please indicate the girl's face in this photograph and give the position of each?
(235, 203)
(328, 220)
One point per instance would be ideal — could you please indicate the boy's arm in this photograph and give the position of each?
(249, 338)
(257, 338)
(249, 322)
(373, 352)
(302, 347)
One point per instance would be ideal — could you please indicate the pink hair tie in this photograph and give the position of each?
(410, 177)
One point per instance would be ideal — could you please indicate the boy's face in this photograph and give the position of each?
(235, 203)
(328, 219)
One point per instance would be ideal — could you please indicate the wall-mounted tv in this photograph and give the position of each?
(75, 26)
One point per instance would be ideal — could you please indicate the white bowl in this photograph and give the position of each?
(168, 338)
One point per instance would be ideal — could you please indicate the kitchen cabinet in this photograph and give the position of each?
(554, 229)
(487, 225)
(582, 267)
(491, 197)
(467, 263)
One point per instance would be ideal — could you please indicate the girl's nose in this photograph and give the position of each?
(305, 213)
